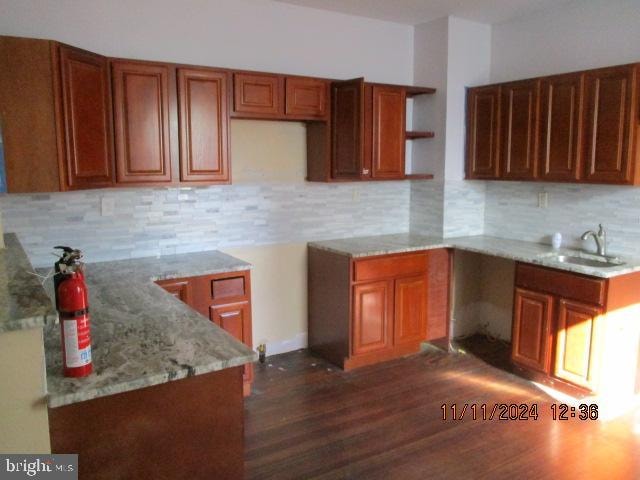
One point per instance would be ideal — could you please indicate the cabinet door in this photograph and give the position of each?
(531, 336)
(576, 352)
(483, 133)
(347, 129)
(560, 146)
(203, 124)
(181, 289)
(258, 95)
(235, 319)
(372, 313)
(609, 119)
(306, 98)
(141, 111)
(86, 97)
(409, 322)
(389, 105)
(519, 107)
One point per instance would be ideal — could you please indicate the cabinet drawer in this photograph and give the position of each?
(562, 284)
(390, 266)
(227, 287)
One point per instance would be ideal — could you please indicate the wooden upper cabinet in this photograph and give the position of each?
(410, 309)
(141, 113)
(561, 127)
(389, 105)
(372, 329)
(203, 124)
(88, 122)
(258, 95)
(576, 354)
(519, 110)
(347, 132)
(483, 132)
(611, 119)
(306, 98)
(531, 338)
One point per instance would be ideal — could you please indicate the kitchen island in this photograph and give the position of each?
(165, 397)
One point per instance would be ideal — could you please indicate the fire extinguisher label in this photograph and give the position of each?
(77, 343)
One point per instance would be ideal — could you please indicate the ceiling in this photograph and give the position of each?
(415, 12)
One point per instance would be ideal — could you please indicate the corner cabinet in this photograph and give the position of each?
(575, 127)
(56, 116)
(367, 310)
(577, 333)
(223, 298)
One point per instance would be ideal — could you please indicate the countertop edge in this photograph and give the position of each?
(55, 401)
(456, 245)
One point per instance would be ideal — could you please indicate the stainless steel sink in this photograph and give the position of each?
(588, 260)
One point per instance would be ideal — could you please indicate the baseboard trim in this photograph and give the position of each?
(289, 345)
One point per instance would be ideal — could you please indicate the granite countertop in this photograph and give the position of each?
(141, 334)
(528, 252)
(23, 302)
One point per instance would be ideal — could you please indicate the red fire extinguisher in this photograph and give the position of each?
(72, 302)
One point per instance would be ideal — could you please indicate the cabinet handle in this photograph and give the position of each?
(229, 314)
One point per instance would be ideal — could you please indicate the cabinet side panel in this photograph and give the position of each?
(329, 312)
(438, 291)
(27, 115)
(318, 152)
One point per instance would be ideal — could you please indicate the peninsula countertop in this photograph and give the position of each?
(24, 303)
(528, 252)
(141, 334)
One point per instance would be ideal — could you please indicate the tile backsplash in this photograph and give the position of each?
(154, 221)
(511, 211)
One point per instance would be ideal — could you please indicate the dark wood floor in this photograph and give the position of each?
(308, 419)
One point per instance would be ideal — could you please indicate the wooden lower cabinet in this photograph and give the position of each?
(410, 309)
(235, 318)
(225, 299)
(372, 317)
(577, 333)
(577, 343)
(367, 310)
(531, 341)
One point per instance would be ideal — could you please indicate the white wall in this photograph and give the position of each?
(469, 64)
(252, 34)
(430, 46)
(581, 35)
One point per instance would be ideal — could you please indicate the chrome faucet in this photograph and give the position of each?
(600, 238)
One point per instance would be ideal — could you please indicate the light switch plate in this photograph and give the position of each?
(543, 200)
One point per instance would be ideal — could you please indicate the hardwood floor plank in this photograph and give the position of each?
(308, 419)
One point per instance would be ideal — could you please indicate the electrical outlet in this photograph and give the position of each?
(107, 206)
(543, 200)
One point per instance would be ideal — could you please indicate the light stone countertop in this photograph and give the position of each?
(528, 252)
(141, 334)
(24, 303)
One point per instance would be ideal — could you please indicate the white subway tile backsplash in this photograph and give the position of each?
(149, 222)
(511, 211)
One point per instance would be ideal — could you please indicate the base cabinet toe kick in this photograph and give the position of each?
(367, 310)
